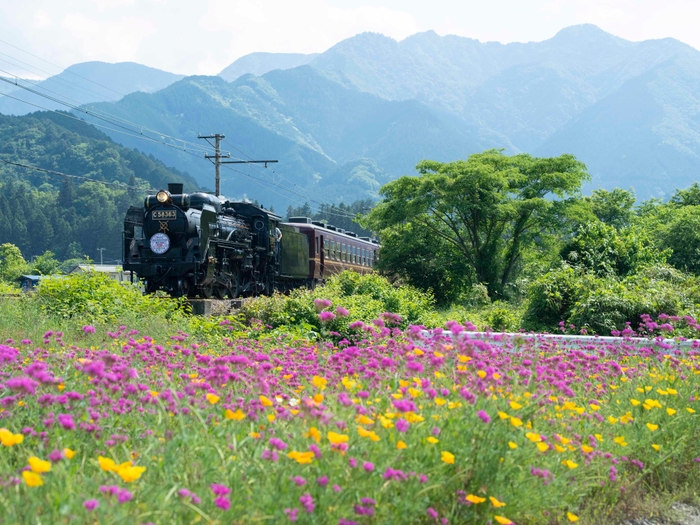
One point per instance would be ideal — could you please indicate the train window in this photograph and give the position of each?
(362, 261)
(344, 252)
(325, 247)
(354, 254)
(316, 246)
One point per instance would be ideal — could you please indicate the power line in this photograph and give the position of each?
(54, 172)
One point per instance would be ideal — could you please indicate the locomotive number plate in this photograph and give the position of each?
(166, 215)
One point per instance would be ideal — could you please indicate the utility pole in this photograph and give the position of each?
(218, 156)
(101, 250)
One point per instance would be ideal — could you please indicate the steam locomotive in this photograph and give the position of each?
(201, 245)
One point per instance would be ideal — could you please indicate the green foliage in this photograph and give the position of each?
(687, 197)
(364, 296)
(681, 235)
(603, 250)
(93, 297)
(12, 264)
(605, 303)
(45, 264)
(613, 207)
(489, 208)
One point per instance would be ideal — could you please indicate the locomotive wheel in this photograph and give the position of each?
(235, 287)
(220, 291)
(206, 292)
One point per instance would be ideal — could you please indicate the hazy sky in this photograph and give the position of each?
(204, 36)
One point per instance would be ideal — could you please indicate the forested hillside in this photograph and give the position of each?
(72, 217)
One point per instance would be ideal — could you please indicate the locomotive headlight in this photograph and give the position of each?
(162, 196)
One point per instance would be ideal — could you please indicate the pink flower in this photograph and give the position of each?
(369, 467)
(88, 329)
(91, 504)
(326, 316)
(484, 416)
(320, 304)
(223, 502)
(341, 312)
(220, 490)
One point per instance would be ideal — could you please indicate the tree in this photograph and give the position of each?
(45, 264)
(687, 197)
(613, 207)
(489, 207)
(12, 264)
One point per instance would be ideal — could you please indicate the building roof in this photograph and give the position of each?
(107, 268)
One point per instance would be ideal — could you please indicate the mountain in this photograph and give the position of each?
(260, 63)
(71, 216)
(369, 108)
(86, 83)
(324, 134)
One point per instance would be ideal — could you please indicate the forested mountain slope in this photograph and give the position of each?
(72, 217)
(260, 63)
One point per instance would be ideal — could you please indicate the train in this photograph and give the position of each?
(201, 245)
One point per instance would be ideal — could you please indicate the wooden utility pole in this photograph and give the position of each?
(218, 156)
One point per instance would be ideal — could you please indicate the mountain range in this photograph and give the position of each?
(365, 111)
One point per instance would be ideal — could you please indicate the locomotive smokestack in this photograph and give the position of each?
(175, 188)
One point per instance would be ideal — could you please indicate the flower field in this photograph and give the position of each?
(386, 425)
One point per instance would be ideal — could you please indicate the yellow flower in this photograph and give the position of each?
(129, 473)
(612, 420)
(672, 391)
(212, 398)
(533, 437)
(336, 438)
(9, 439)
(471, 498)
(364, 420)
(512, 445)
(503, 520)
(571, 516)
(314, 434)
(414, 392)
(271, 417)
(401, 445)
(594, 406)
(266, 401)
(433, 440)
(413, 418)
(652, 427)
(690, 410)
(655, 446)
(620, 440)
(319, 382)
(254, 435)
(516, 422)
(106, 464)
(496, 503)
(635, 402)
(39, 465)
(515, 405)
(32, 479)
(569, 464)
(586, 449)
(481, 374)
(301, 457)
(237, 415)
(559, 448)
(439, 401)
(447, 457)
(542, 447)
(503, 415)
(670, 411)
(68, 453)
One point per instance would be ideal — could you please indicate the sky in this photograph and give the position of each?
(204, 36)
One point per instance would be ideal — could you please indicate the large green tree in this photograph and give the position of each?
(489, 208)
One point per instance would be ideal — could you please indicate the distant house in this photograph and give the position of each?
(114, 271)
(28, 282)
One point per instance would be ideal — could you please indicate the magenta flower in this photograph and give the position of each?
(88, 329)
(368, 466)
(307, 501)
(298, 481)
(66, 421)
(223, 502)
(220, 490)
(432, 513)
(277, 443)
(342, 312)
(484, 416)
(320, 304)
(323, 481)
(402, 425)
(292, 514)
(326, 316)
(91, 504)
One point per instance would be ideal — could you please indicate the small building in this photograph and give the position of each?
(28, 282)
(115, 272)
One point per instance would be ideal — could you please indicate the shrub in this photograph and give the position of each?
(94, 297)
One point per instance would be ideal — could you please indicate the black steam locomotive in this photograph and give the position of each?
(199, 244)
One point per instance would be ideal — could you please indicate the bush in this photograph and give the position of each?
(364, 296)
(604, 304)
(95, 298)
